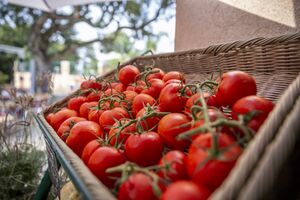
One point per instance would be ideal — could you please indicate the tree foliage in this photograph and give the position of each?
(52, 36)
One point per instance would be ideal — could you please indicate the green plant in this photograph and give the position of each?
(20, 168)
(21, 161)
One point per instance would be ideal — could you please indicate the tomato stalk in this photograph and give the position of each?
(120, 128)
(215, 147)
(209, 83)
(150, 112)
(147, 74)
(129, 168)
(218, 123)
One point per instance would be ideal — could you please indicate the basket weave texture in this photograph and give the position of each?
(275, 64)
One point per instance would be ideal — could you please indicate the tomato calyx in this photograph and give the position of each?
(150, 112)
(148, 71)
(129, 168)
(209, 84)
(211, 127)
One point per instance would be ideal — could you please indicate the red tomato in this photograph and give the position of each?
(185, 190)
(103, 158)
(137, 87)
(49, 117)
(172, 81)
(64, 129)
(109, 117)
(194, 98)
(129, 95)
(170, 99)
(112, 85)
(251, 103)
(120, 87)
(138, 186)
(110, 92)
(174, 75)
(89, 149)
(82, 133)
(158, 75)
(130, 88)
(140, 101)
(202, 165)
(94, 96)
(90, 84)
(59, 117)
(124, 134)
(234, 85)
(128, 73)
(75, 103)
(156, 85)
(213, 116)
(144, 149)
(177, 162)
(86, 107)
(170, 126)
(94, 115)
(148, 123)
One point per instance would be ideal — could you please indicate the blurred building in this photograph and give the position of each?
(63, 81)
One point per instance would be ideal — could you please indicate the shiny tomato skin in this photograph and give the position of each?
(110, 91)
(109, 117)
(170, 99)
(75, 103)
(103, 158)
(185, 190)
(138, 186)
(172, 81)
(213, 115)
(144, 149)
(195, 97)
(140, 101)
(251, 103)
(217, 167)
(174, 75)
(129, 95)
(156, 85)
(59, 117)
(177, 162)
(234, 85)
(158, 75)
(49, 117)
(81, 134)
(86, 107)
(89, 149)
(94, 115)
(170, 126)
(90, 84)
(138, 87)
(127, 74)
(124, 134)
(64, 129)
(94, 96)
(120, 87)
(149, 123)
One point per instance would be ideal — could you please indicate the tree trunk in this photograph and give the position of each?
(43, 69)
(38, 46)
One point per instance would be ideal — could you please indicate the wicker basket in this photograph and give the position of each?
(275, 64)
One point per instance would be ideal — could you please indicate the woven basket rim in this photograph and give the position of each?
(224, 47)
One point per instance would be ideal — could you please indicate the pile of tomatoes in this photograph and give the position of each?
(152, 136)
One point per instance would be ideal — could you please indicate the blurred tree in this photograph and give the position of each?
(14, 36)
(53, 36)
